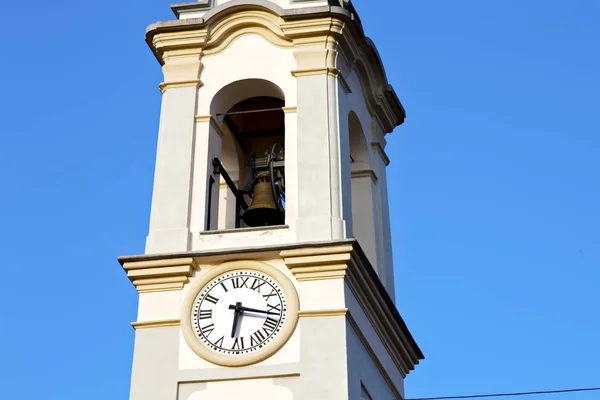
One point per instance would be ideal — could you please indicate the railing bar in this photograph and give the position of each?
(249, 111)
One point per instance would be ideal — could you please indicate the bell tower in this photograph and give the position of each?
(268, 268)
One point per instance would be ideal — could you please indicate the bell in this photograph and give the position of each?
(263, 211)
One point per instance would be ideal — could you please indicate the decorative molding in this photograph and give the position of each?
(290, 110)
(160, 275)
(164, 86)
(224, 30)
(348, 262)
(322, 313)
(310, 264)
(379, 148)
(365, 173)
(301, 251)
(321, 37)
(156, 324)
(316, 72)
(203, 118)
(213, 122)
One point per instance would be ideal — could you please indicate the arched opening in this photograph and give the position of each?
(359, 152)
(250, 115)
(364, 187)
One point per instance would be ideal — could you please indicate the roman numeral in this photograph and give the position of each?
(275, 308)
(270, 325)
(224, 287)
(257, 338)
(268, 296)
(240, 282)
(207, 330)
(205, 314)
(238, 344)
(219, 343)
(211, 299)
(257, 284)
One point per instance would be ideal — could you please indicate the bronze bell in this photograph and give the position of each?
(264, 210)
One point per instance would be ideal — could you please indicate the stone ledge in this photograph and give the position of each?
(166, 323)
(309, 264)
(349, 262)
(160, 275)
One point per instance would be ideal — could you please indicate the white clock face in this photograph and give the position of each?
(239, 312)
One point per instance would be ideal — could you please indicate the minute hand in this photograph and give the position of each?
(257, 311)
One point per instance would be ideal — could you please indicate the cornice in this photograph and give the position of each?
(348, 262)
(382, 313)
(319, 36)
(310, 264)
(365, 173)
(379, 148)
(160, 275)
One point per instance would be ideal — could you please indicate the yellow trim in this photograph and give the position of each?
(210, 119)
(290, 110)
(315, 251)
(176, 85)
(160, 275)
(316, 72)
(203, 118)
(216, 48)
(320, 46)
(342, 262)
(323, 313)
(155, 324)
(314, 264)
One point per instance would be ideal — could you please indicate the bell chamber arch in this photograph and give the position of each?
(250, 171)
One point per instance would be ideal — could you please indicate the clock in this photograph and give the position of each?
(239, 313)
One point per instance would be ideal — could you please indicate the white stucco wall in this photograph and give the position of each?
(369, 365)
(362, 370)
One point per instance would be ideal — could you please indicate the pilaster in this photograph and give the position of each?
(318, 142)
(170, 215)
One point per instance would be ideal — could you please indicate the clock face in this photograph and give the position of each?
(239, 312)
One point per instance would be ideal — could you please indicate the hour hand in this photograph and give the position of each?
(236, 317)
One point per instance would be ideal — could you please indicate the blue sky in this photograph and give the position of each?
(494, 184)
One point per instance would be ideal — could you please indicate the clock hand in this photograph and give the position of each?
(240, 307)
(236, 317)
